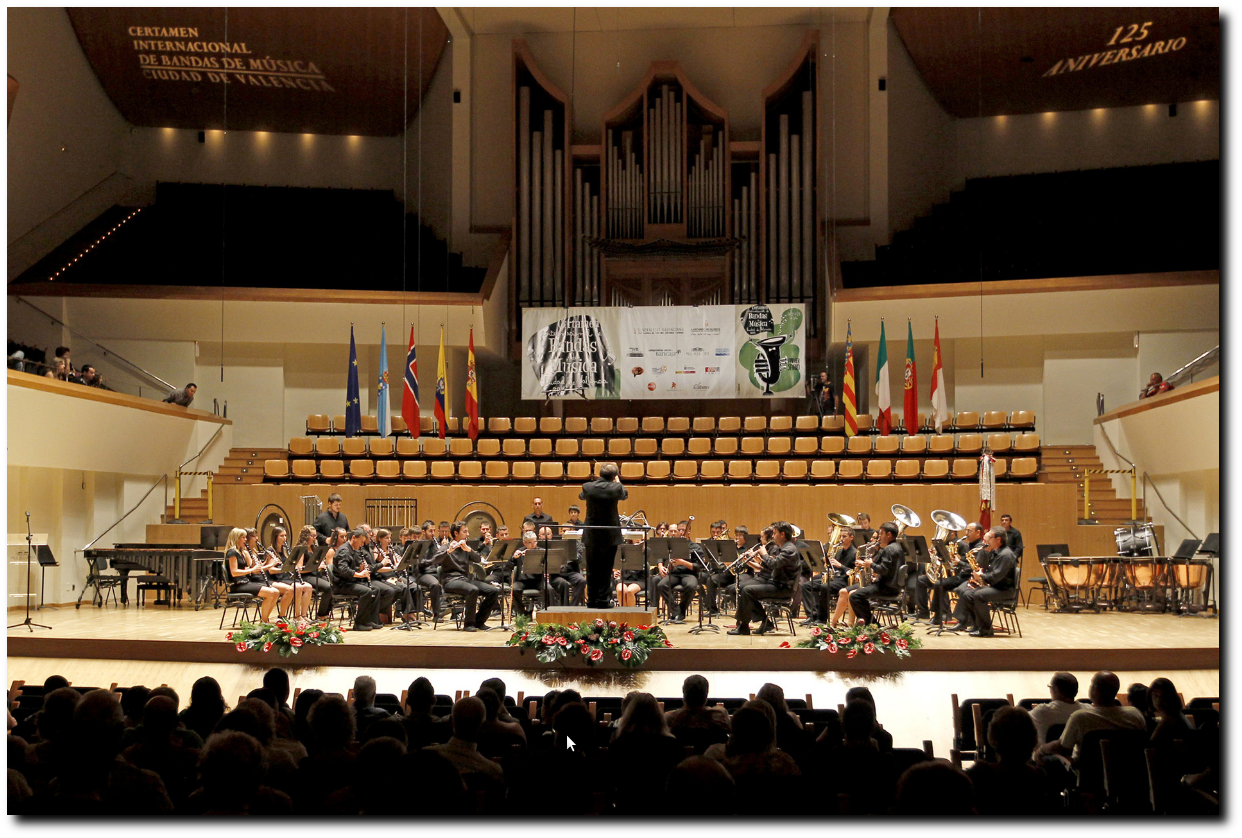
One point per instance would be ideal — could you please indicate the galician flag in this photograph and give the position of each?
(883, 393)
(910, 405)
(381, 387)
(940, 407)
(472, 392)
(409, 399)
(441, 390)
(353, 407)
(847, 386)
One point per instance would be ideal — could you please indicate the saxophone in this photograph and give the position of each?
(971, 556)
(861, 574)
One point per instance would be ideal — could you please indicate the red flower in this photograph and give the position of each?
(628, 636)
(295, 642)
(597, 654)
(267, 647)
(612, 625)
(869, 648)
(625, 625)
(229, 636)
(599, 623)
(281, 624)
(815, 632)
(884, 638)
(614, 641)
(562, 641)
(548, 640)
(669, 645)
(626, 654)
(902, 643)
(852, 653)
(342, 630)
(573, 626)
(643, 628)
(314, 634)
(833, 648)
(785, 645)
(301, 631)
(241, 647)
(524, 636)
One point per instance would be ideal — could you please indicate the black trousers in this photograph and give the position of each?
(531, 582)
(431, 583)
(748, 597)
(570, 588)
(324, 590)
(714, 583)
(977, 600)
(689, 582)
(480, 598)
(366, 599)
(600, 549)
(939, 594)
(859, 600)
(403, 599)
(960, 613)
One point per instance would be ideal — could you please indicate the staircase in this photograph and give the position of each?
(242, 466)
(1066, 464)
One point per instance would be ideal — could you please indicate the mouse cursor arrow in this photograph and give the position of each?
(569, 743)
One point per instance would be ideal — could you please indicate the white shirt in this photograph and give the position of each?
(1054, 712)
(1099, 718)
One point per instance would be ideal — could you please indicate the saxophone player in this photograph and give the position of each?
(996, 581)
(952, 579)
(817, 593)
(883, 568)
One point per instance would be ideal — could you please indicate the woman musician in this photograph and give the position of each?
(387, 560)
(821, 590)
(301, 590)
(308, 543)
(269, 563)
(629, 583)
(849, 583)
(246, 575)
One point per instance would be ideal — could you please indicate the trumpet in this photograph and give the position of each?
(744, 560)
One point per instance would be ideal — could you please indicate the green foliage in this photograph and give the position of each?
(631, 646)
(285, 638)
(862, 639)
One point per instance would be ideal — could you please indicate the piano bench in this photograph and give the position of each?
(162, 585)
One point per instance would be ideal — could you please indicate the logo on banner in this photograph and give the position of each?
(758, 319)
(722, 351)
(711, 370)
(651, 386)
(636, 372)
(571, 355)
(772, 362)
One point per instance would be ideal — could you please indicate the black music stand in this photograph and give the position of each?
(411, 558)
(46, 560)
(28, 623)
(1047, 551)
(714, 548)
(502, 552)
(535, 563)
(673, 547)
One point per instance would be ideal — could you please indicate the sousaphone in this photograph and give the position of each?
(906, 518)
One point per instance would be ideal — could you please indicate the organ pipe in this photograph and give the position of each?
(545, 225)
(782, 209)
(772, 243)
(752, 246)
(808, 189)
(795, 217)
(536, 214)
(558, 222)
(523, 193)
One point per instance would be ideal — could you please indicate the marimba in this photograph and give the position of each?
(180, 564)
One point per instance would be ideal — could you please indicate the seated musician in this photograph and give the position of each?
(994, 582)
(825, 587)
(270, 563)
(570, 584)
(864, 527)
(427, 577)
(661, 530)
(498, 574)
(528, 581)
(777, 574)
(852, 583)
(629, 583)
(308, 540)
(301, 590)
(353, 576)
(884, 567)
(387, 558)
(246, 575)
(684, 572)
(454, 565)
(444, 535)
(710, 579)
(953, 579)
(722, 581)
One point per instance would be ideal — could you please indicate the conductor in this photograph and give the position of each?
(600, 545)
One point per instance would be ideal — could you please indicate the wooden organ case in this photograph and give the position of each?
(668, 209)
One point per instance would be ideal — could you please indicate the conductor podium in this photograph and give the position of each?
(565, 614)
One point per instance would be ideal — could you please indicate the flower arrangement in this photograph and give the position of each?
(286, 638)
(631, 646)
(865, 639)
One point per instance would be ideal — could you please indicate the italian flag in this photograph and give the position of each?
(884, 417)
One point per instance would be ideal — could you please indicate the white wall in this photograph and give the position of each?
(1167, 352)
(1076, 367)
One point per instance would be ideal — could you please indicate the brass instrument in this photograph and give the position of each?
(840, 522)
(906, 518)
(744, 559)
(860, 573)
(974, 564)
(947, 524)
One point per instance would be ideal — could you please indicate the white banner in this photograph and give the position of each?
(663, 352)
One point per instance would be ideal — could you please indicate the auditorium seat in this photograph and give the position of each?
(794, 470)
(969, 443)
(327, 446)
(754, 424)
(886, 445)
(487, 447)
(832, 446)
(806, 424)
(999, 443)
(653, 424)
(672, 447)
(699, 446)
(999, 467)
(703, 424)
(940, 444)
(408, 447)
(806, 446)
(937, 470)
(685, 470)
(381, 446)
(498, 425)
(1021, 420)
(899, 422)
(752, 446)
(398, 426)
(495, 470)
(578, 470)
(414, 469)
(993, 420)
(427, 424)
(301, 446)
(304, 470)
(592, 447)
(353, 446)
(338, 424)
(566, 448)
(513, 448)
(434, 447)
(739, 469)
(833, 425)
(728, 425)
(850, 470)
(678, 425)
(551, 425)
(388, 471)
(317, 423)
(914, 445)
(779, 446)
(712, 471)
(275, 469)
(1026, 443)
(865, 423)
(658, 470)
(443, 470)
(768, 471)
(965, 469)
(626, 426)
(620, 447)
(539, 448)
(858, 446)
(780, 424)
(646, 448)
(966, 420)
(632, 472)
(332, 469)
(552, 471)
(370, 425)
(822, 470)
(726, 446)
(460, 446)
(907, 470)
(361, 470)
(601, 425)
(575, 425)
(525, 425)
(1023, 468)
(471, 470)
(452, 425)
(879, 469)
(523, 472)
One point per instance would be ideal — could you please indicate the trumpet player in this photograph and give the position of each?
(951, 580)
(777, 574)
(825, 588)
(883, 568)
(994, 581)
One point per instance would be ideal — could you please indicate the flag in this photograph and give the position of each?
(409, 399)
(441, 388)
(472, 392)
(940, 408)
(847, 386)
(883, 393)
(353, 407)
(381, 388)
(987, 487)
(910, 407)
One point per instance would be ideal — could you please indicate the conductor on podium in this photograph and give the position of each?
(602, 532)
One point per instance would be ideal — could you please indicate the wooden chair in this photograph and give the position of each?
(728, 425)
(940, 444)
(499, 425)
(678, 425)
(646, 448)
(575, 425)
(755, 424)
(969, 444)
(275, 470)
(866, 423)
(332, 469)
(626, 426)
(994, 420)
(470, 470)
(304, 470)
(672, 447)
(591, 447)
(653, 424)
(486, 447)
(633, 472)
(461, 446)
(823, 470)
(658, 470)
(703, 424)
(767, 471)
(832, 425)
(382, 446)
(1022, 420)
(965, 469)
(906, 470)
(937, 470)
(752, 446)
(794, 470)
(620, 447)
(525, 425)
(353, 446)
(779, 446)
(327, 446)
(539, 448)
(712, 471)
(414, 470)
(914, 445)
(832, 446)
(317, 423)
(443, 470)
(999, 443)
(739, 469)
(858, 446)
(399, 428)
(552, 471)
(523, 471)
(452, 425)
(408, 447)
(362, 470)
(426, 425)
(850, 471)
(513, 448)
(806, 446)
(601, 425)
(388, 471)
(434, 447)
(879, 470)
(496, 470)
(551, 425)
(685, 470)
(1026, 443)
(338, 424)
(579, 471)
(370, 425)
(301, 446)
(886, 446)
(726, 446)
(699, 447)
(1023, 468)
(806, 424)
(999, 467)
(567, 448)
(780, 424)
(966, 420)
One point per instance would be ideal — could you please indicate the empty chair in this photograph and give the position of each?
(633, 471)
(353, 446)
(914, 445)
(833, 425)
(935, 469)
(426, 424)
(779, 446)
(823, 470)
(672, 447)
(965, 469)
(487, 447)
(899, 422)
(999, 443)
(752, 446)
(712, 470)
(755, 424)
(858, 446)
(398, 426)
(523, 471)
(794, 469)
(806, 424)
(645, 447)
(1026, 442)
(460, 446)
(879, 469)
(906, 470)
(685, 470)
(940, 444)
(653, 424)
(551, 425)
(388, 471)
(578, 471)
(575, 425)
(361, 469)
(999, 467)
(726, 446)
(567, 447)
(768, 471)
(969, 443)
(470, 470)
(495, 470)
(728, 425)
(619, 447)
(806, 446)
(739, 469)
(317, 423)
(886, 445)
(626, 426)
(304, 470)
(408, 447)
(301, 446)
(703, 424)
(499, 425)
(338, 423)
(966, 420)
(332, 469)
(865, 423)
(832, 446)
(452, 425)
(993, 420)
(382, 446)
(850, 470)
(592, 447)
(275, 469)
(434, 447)
(601, 425)
(370, 424)
(513, 448)
(678, 425)
(327, 446)
(526, 425)
(443, 470)
(780, 424)
(1023, 468)
(552, 471)
(539, 448)
(699, 446)
(1021, 420)
(414, 469)
(658, 470)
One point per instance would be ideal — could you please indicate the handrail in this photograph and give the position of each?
(1195, 365)
(163, 479)
(201, 450)
(71, 202)
(150, 376)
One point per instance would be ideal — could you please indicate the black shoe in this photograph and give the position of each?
(470, 628)
(806, 623)
(764, 628)
(485, 627)
(740, 630)
(362, 627)
(375, 625)
(937, 622)
(959, 627)
(979, 633)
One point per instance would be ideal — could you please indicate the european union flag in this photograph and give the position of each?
(353, 407)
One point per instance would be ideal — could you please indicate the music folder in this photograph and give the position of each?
(723, 550)
(502, 551)
(291, 560)
(915, 547)
(749, 540)
(630, 557)
(812, 553)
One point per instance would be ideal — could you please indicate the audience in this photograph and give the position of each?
(1063, 689)
(1013, 784)
(206, 707)
(643, 746)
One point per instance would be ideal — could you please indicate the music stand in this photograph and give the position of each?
(915, 547)
(28, 623)
(535, 563)
(1047, 551)
(502, 551)
(723, 550)
(1187, 549)
(46, 560)
(748, 541)
(631, 557)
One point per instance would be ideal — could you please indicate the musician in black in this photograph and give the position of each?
(386, 561)
(684, 572)
(714, 580)
(246, 575)
(824, 588)
(1013, 538)
(884, 569)
(529, 581)
(426, 574)
(308, 542)
(454, 565)
(953, 578)
(570, 584)
(604, 534)
(353, 577)
(864, 528)
(778, 573)
(537, 516)
(995, 581)
(330, 519)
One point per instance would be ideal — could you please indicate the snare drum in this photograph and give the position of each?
(1076, 582)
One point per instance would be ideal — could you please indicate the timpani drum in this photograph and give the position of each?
(1076, 582)
(1146, 583)
(1188, 577)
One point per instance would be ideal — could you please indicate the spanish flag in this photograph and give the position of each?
(472, 392)
(441, 388)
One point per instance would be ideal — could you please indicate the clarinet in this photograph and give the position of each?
(266, 580)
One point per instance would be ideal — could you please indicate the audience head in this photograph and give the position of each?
(1164, 698)
(773, 694)
(277, 680)
(701, 778)
(491, 703)
(332, 723)
(56, 717)
(468, 715)
(573, 721)
(753, 729)
(133, 701)
(167, 692)
(495, 684)
(420, 696)
(694, 691)
(860, 693)
(263, 695)
(249, 717)
(389, 726)
(226, 758)
(643, 715)
(1012, 734)
(935, 787)
(364, 691)
(858, 722)
(381, 756)
(1063, 686)
(549, 706)
(301, 712)
(98, 726)
(159, 718)
(1104, 688)
(1137, 696)
(54, 682)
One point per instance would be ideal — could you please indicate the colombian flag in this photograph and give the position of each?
(441, 387)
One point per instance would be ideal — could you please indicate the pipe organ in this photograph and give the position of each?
(669, 208)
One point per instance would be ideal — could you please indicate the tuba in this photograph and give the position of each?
(839, 523)
(947, 524)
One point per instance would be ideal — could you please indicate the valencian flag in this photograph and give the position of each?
(409, 399)
(472, 392)
(353, 407)
(910, 407)
(847, 386)
(883, 393)
(441, 388)
(940, 407)
(381, 387)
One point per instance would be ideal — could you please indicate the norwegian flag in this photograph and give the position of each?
(409, 399)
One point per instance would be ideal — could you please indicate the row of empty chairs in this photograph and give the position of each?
(709, 471)
(318, 424)
(914, 445)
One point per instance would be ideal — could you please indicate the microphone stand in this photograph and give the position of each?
(28, 623)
